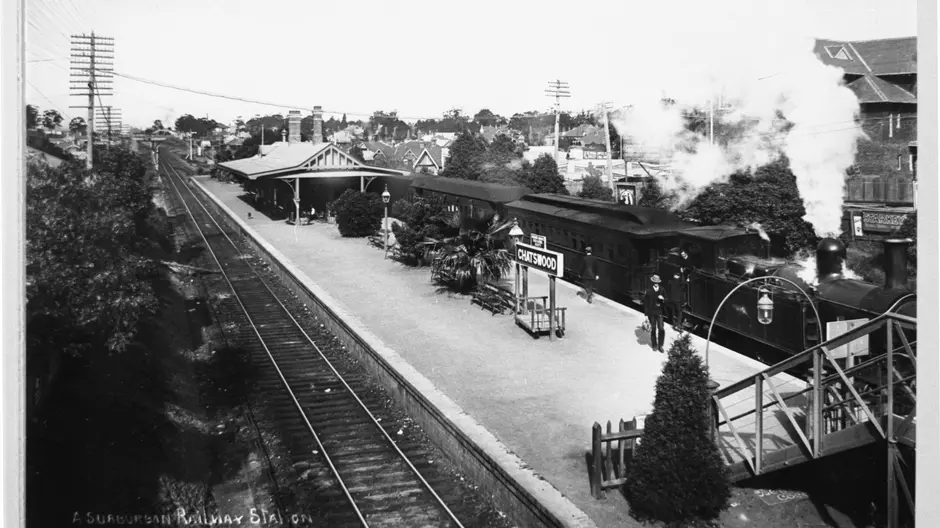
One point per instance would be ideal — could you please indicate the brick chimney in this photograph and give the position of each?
(293, 126)
(317, 125)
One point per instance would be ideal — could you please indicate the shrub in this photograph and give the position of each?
(472, 257)
(677, 474)
(358, 214)
(423, 218)
(909, 230)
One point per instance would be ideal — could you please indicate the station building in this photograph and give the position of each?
(315, 172)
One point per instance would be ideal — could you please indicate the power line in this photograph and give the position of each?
(48, 100)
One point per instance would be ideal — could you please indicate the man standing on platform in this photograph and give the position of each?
(653, 302)
(675, 292)
(589, 274)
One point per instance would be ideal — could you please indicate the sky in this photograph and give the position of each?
(423, 58)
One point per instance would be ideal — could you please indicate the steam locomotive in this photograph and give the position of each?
(632, 243)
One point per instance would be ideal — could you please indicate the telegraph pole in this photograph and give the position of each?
(92, 73)
(107, 119)
(557, 89)
(605, 106)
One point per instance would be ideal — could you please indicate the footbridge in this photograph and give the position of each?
(767, 422)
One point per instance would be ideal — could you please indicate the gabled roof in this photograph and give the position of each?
(870, 89)
(894, 56)
(578, 131)
(283, 157)
(431, 153)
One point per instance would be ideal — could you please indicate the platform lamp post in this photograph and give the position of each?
(765, 316)
(516, 235)
(386, 196)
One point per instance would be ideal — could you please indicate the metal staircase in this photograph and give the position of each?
(773, 420)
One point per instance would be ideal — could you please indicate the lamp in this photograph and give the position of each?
(386, 196)
(516, 232)
(765, 306)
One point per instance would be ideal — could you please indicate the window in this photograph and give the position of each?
(899, 162)
(838, 52)
(898, 122)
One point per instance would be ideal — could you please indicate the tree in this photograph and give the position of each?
(86, 287)
(158, 125)
(486, 118)
(51, 119)
(472, 257)
(358, 214)
(544, 177)
(466, 158)
(32, 117)
(909, 230)
(653, 196)
(422, 218)
(77, 125)
(593, 188)
(677, 474)
(201, 126)
(770, 198)
(356, 153)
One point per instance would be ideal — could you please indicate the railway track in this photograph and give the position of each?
(342, 441)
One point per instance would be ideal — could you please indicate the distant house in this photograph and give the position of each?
(883, 75)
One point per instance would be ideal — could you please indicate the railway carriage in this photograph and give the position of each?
(631, 243)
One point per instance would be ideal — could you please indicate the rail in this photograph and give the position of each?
(327, 362)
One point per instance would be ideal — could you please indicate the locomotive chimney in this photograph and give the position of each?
(317, 125)
(895, 263)
(829, 257)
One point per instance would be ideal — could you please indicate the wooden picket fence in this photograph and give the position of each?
(608, 463)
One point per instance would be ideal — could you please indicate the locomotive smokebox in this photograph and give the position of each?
(830, 254)
(895, 263)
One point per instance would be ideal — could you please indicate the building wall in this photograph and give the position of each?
(890, 128)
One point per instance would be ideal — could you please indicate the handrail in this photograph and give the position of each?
(806, 355)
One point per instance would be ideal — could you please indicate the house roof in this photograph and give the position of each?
(476, 190)
(282, 156)
(578, 131)
(433, 153)
(34, 153)
(871, 89)
(894, 56)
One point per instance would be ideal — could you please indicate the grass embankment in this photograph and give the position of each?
(150, 431)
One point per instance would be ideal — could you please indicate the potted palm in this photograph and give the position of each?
(471, 257)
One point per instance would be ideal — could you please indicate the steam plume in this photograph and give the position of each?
(783, 100)
(760, 231)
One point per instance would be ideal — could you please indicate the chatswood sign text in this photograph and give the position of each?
(550, 262)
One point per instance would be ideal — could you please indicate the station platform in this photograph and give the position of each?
(537, 397)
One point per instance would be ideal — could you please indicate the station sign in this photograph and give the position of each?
(539, 241)
(551, 262)
(882, 222)
(858, 347)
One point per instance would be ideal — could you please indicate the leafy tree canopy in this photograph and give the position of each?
(201, 126)
(358, 214)
(466, 157)
(544, 177)
(769, 196)
(77, 125)
(32, 116)
(51, 119)
(594, 188)
(652, 195)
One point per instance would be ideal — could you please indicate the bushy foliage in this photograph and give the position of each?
(358, 214)
(86, 276)
(471, 257)
(466, 157)
(769, 196)
(544, 177)
(909, 230)
(652, 195)
(422, 218)
(677, 474)
(593, 188)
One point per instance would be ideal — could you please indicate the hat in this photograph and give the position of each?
(655, 279)
(589, 248)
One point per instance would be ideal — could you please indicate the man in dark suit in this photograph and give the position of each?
(589, 274)
(653, 302)
(675, 293)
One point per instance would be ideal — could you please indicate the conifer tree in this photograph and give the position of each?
(677, 474)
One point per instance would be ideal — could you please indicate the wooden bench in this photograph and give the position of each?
(376, 240)
(493, 298)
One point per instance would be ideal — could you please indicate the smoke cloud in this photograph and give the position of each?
(781, 99)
